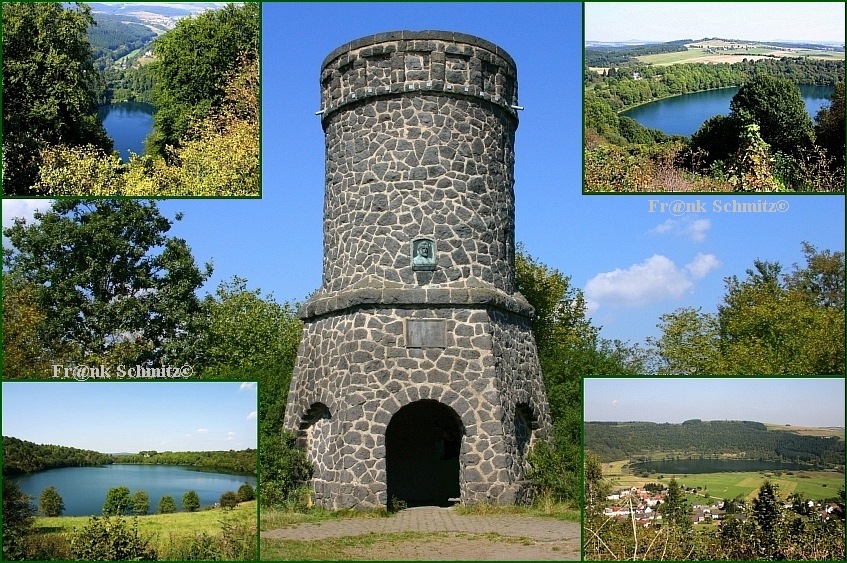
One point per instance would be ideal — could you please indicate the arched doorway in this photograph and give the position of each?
(422, 445)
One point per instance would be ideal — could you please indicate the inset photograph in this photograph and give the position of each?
(131, 99)
(714, 469)
(714, 97)
(130, 471)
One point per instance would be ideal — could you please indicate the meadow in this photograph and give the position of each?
(172, 536)
(816, 485)
(704, 55)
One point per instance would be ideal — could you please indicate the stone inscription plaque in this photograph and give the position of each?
(428, 333)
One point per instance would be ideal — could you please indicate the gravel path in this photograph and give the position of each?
(540, 538)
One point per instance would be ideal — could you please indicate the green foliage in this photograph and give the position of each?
(190, 501)
(18, 516)
(191, 62)
(109, 539)
(217, 156)
(768, 323)
(675, 510)
(615, 441)
(716, 140)
(50, 503)
(830, 128)
(285, 468)
(167, 505)
(20, 456)
(229, 500)
(241, 461)
(49, 87)
(246, 492)
(113, 286)
(117, 502)
(776, 107)
(140, 503)
(568, 348)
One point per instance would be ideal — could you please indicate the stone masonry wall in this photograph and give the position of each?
(359, 366)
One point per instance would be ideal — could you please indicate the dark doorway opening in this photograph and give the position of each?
(423, 442)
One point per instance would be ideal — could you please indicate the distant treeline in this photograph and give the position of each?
(20, 456)
(244, 461)
(639, 84)
(612, 56)
(625, 440)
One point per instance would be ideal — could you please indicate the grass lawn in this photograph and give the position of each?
(163, 531)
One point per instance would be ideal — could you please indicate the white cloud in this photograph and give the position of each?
(202, 430)
(656, 279)
(23, 208)
(247, 386)
(695, 229)
(230, 436)
(252, 415)
(702, 265)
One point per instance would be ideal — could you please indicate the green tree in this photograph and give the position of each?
(190, 501)
(245, 329)
(716, 139)
(118, 501)
(767, 512)
(830, 127)
(140, 503)
(167, 505)
(114, 288)
(18, 517)
(229, 500)
(192, 61)
(51, 503)
(675, 510)
(596, 488)
(50, 87)
(775, 105)
(246, 492)
(689, 344)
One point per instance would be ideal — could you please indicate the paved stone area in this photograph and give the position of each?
(564, 535)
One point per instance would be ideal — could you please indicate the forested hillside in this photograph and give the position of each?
(20, 456)
(244, 461)
(752, 440)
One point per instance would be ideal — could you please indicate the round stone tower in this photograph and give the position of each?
(417, 378)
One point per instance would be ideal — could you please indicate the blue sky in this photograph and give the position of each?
(755, 21)
(113, 417)
(633, 263)
(799, 402)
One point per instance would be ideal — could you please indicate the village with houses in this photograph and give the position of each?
(641, 504)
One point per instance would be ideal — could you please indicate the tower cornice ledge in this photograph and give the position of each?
(332, 302)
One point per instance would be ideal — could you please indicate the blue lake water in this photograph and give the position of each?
(683, 115)
(83, 489)
(128, 124)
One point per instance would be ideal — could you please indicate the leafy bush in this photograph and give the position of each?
(167, 505)
(229, 500)
(109, 539)
(246, 492)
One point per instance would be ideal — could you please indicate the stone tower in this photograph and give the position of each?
(417, 377)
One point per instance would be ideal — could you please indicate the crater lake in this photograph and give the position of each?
(683, 115)
(83, 489)
(128, 124)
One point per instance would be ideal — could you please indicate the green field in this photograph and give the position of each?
(817, 485)
(733, 55)
(166, 532)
